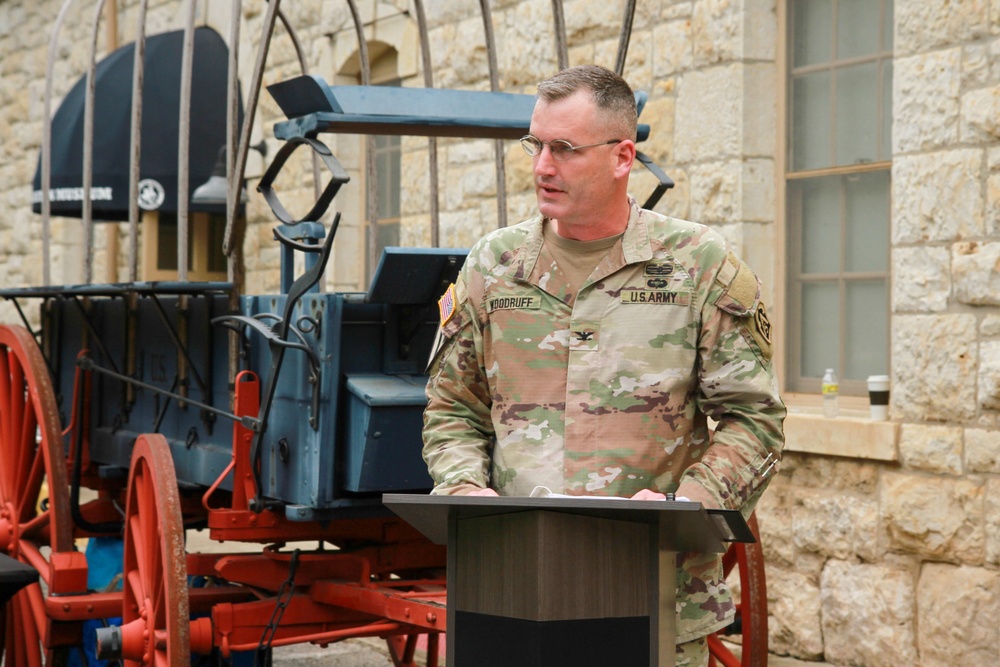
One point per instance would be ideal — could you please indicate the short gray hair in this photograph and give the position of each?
(612, 95)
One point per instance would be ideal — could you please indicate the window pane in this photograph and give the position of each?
(887, 24)
(867, 218)
(811, 121)
(813, 25)
(857, 114)
(867, 329)
(821, 226)
(857, 28)
(885, 149)
(820, 328)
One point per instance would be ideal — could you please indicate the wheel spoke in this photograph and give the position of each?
(28, 498)
(31, 454)
(153, 569)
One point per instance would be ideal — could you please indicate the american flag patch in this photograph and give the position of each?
(446, 304)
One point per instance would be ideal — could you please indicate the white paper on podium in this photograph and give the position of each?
(546, 492)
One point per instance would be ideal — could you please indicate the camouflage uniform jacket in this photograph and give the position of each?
(608, 392)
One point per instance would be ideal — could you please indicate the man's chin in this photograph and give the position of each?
(548, 209)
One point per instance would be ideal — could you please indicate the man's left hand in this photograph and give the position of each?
(648, 494)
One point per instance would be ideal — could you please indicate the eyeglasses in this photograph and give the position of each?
(560, 149)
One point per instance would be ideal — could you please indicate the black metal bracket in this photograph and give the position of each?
(277, 337)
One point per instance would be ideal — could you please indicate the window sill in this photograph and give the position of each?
(852, 434)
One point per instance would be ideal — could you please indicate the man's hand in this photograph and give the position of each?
(649, 494)
(483, 492)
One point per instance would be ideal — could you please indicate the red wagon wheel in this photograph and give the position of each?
(155, 620)
(751, 611)
(32, 459)
(405, 650)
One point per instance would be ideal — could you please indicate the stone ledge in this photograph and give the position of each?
(847, 435)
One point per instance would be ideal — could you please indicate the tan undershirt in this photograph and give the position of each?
(576, 259)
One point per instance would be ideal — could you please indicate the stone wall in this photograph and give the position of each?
(896, 563)
(870, 562)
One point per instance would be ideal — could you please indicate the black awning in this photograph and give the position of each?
(160, 123)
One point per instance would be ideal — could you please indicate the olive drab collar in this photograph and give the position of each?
(634, 247)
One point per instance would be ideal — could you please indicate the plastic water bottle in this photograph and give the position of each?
(831, 389)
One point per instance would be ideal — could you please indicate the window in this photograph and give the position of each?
(388, 164)
(206, 262)
(838, 190)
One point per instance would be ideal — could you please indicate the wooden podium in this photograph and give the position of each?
(544, 582)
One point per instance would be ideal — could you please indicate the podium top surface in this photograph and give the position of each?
(691, 526)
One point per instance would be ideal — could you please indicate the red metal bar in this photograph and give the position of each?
(424, 609)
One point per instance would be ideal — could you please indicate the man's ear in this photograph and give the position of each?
(625, 155)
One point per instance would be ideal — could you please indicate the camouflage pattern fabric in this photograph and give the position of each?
(692, 654)
(609, 391)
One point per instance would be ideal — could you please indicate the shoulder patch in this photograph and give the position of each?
(740, 287)
(743, 289)
(448, 304)
(760, 331)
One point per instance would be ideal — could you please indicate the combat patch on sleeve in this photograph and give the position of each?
(741, 298)
(760, 330)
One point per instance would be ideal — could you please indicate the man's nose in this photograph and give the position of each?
(544, 163)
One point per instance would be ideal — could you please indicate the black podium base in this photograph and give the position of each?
(497, 641)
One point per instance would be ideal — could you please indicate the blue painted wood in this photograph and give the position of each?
(314, 107)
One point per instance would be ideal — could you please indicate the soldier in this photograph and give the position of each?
(585, 349)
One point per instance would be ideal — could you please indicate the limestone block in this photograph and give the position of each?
(935, 517)
(921, 279)
(760, 29)
(774, 518)
(793, 610)
(591, 20)
(677, 201)
(672, 51)
(519, 171)
(709, 113)
(526, 51)
(521, 207)
(716, 31)
(440, 13)
(760, 110)
(978, 69)
(757, 191)
(925, 100)
(982, 450)
(659, 114)
(415, 182)
(460, 229)
(992, 513)
(868, 614)
(470, 151)
(922, 25)
(824, 472)
(937, 196)
(676, 10)
(834, 524)
(931, 448)
(980, 114)
(715, 192)
(990, 325)
(993, 204)
(958, 615)
(415, 231)
(467, 54)
(940, 354)
(989, 375)
(480, 180)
